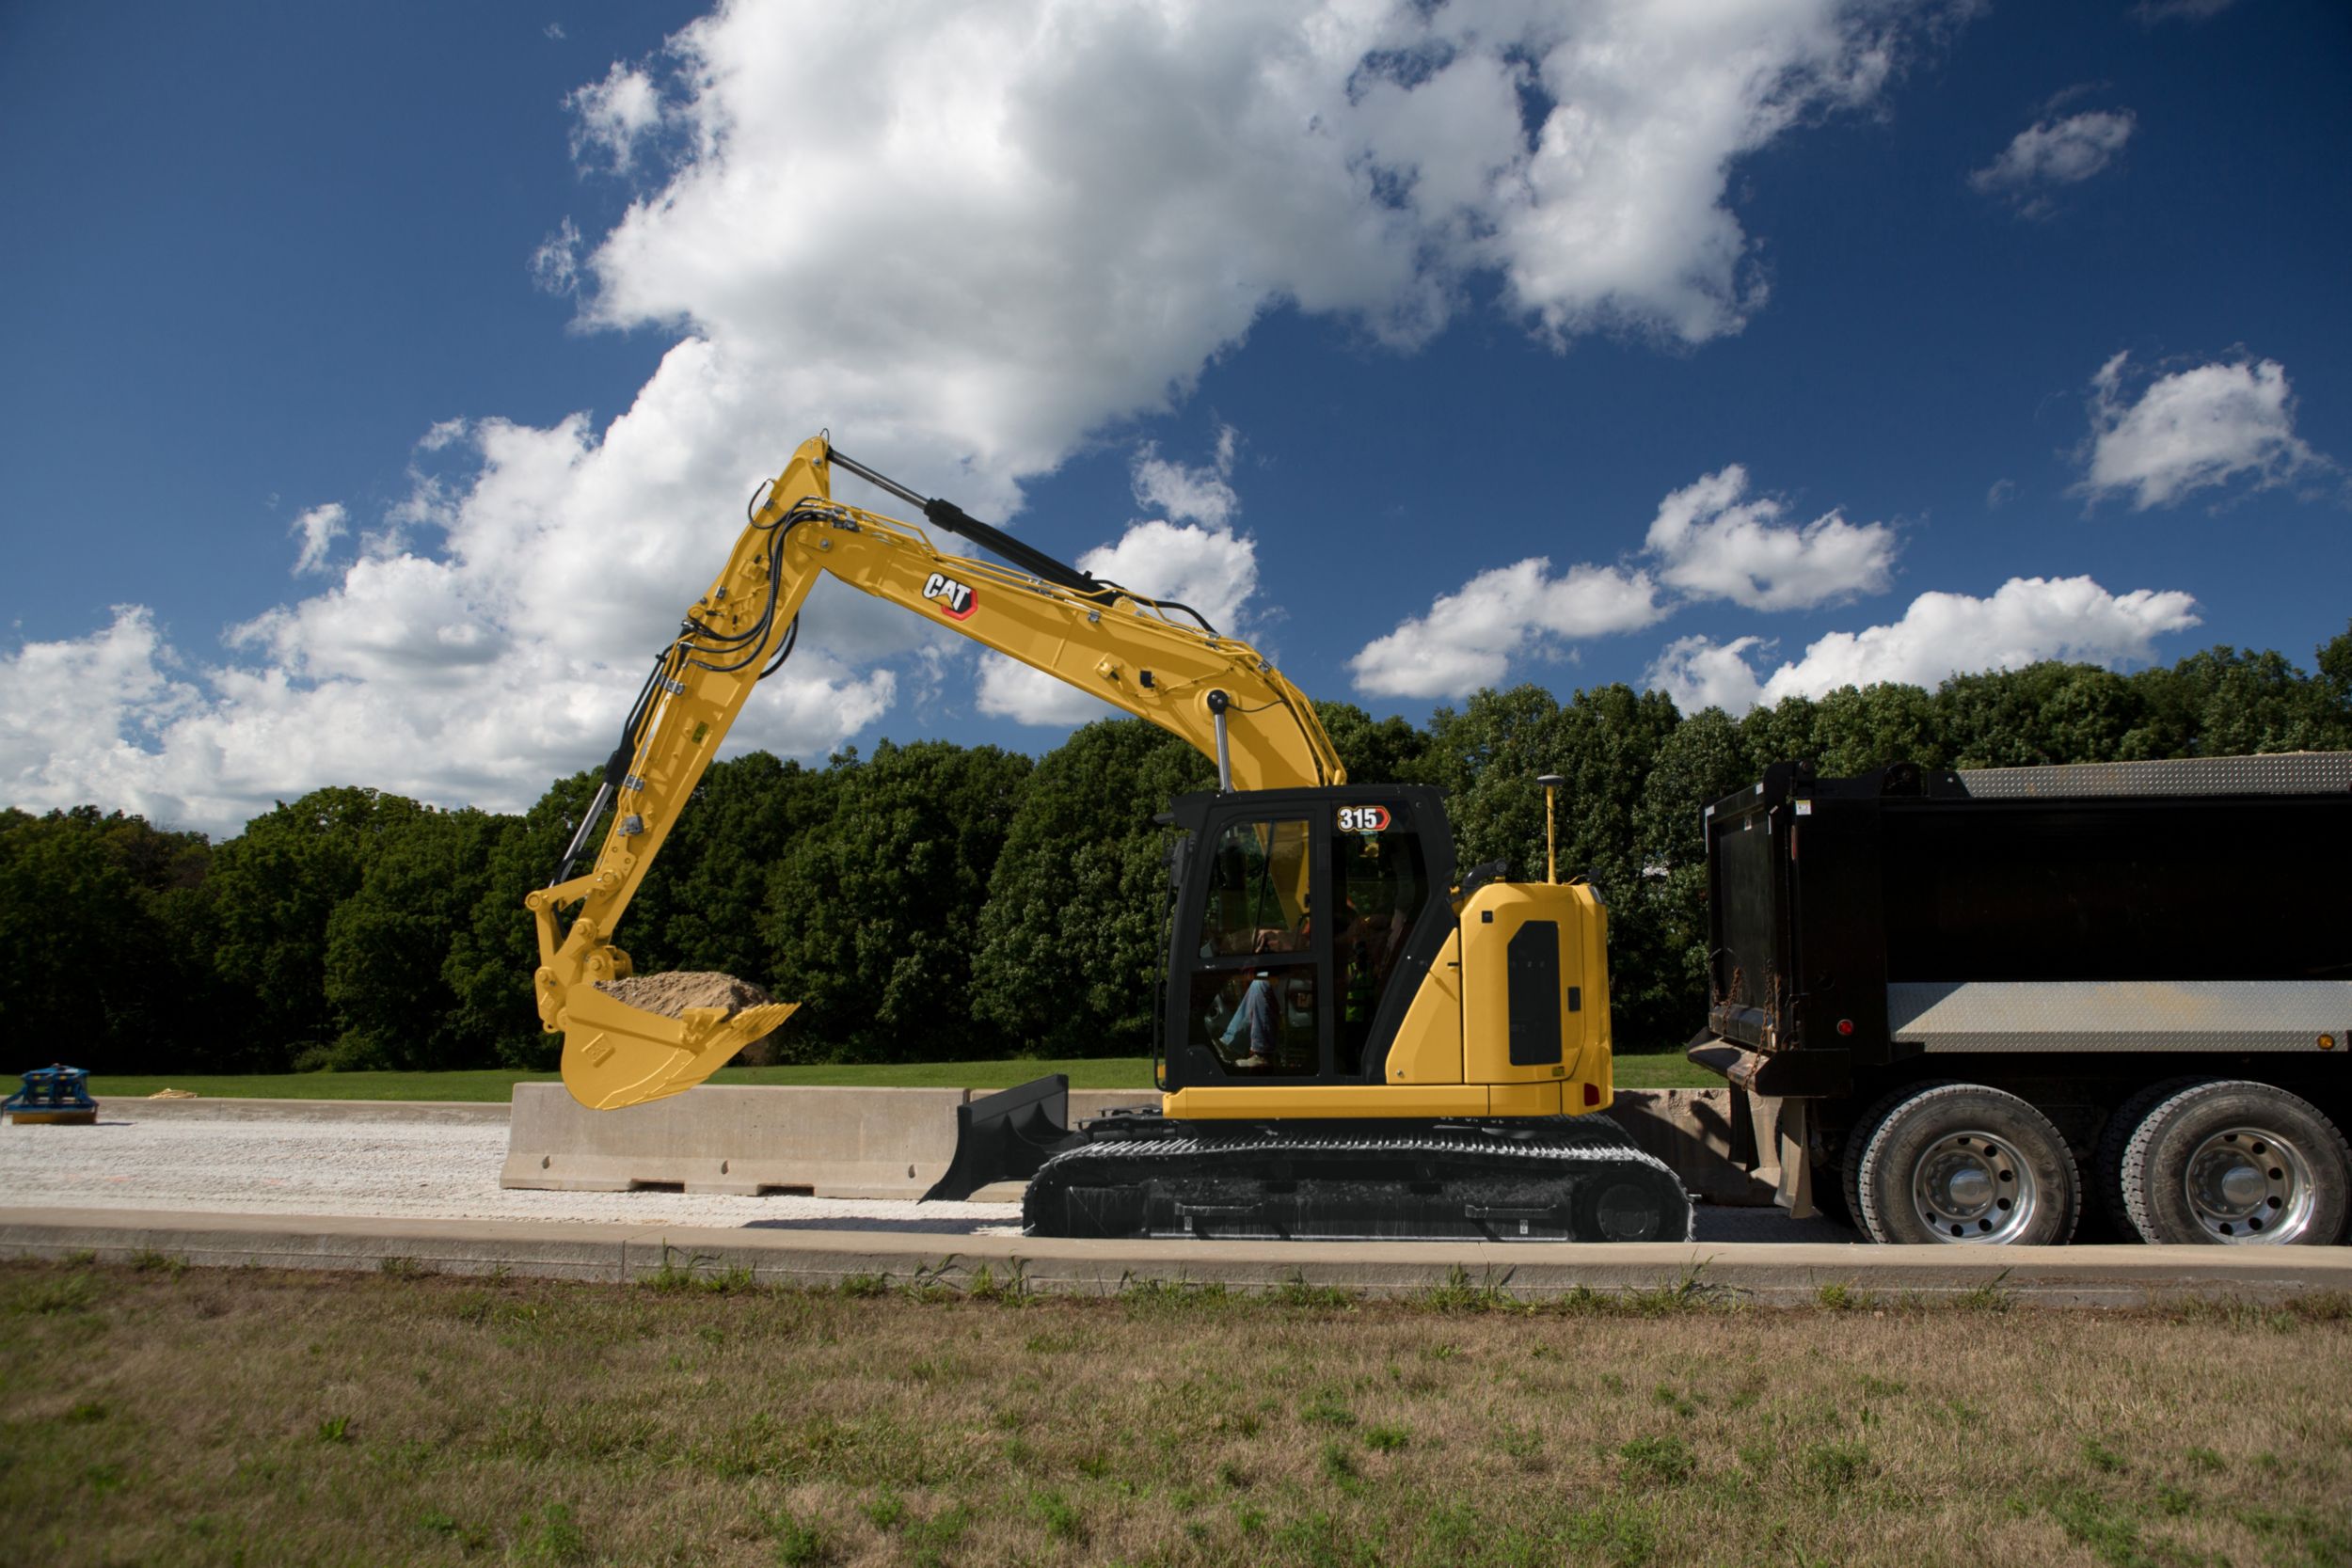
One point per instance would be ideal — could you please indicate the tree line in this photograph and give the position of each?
(934, 901)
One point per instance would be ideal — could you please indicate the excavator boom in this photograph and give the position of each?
(1155, 660)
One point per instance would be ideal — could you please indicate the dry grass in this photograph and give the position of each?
(162, 1416)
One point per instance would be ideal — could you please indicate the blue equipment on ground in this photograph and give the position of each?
(57, 1095)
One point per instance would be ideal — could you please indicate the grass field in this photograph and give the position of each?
(1663, 1071)
(164, 1416)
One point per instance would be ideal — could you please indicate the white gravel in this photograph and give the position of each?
(390, 1169)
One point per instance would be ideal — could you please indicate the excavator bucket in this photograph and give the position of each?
(616, 1055)
(1006, 1136)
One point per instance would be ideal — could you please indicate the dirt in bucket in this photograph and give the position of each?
(671, 994)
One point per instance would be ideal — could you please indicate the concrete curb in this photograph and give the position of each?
(1765, 1274)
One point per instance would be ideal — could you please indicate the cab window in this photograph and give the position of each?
(1381, 884)
(1257, 895)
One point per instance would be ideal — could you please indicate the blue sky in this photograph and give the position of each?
(388, 377)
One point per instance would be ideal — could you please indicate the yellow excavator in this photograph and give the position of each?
(1352, 1040)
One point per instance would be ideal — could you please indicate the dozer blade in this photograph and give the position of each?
(1006, 1136)
(616, 1055)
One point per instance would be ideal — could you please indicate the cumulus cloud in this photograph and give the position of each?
(2025, 621)
(318, 529)
(2191, 430)
(1201, 563)
(1714, 540)
(2054, 153)
(1710, 540)
(1203, 494)
(613, 116)
(969, 239)
(1469, 637)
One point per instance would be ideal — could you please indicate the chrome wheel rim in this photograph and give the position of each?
(1972, 1188)
(2248, 1186)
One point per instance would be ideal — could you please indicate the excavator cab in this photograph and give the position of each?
(1299, 924)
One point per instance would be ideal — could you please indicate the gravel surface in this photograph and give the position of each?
(424, 1169)
(393, 1169)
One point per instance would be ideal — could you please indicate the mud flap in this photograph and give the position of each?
(1006, 1136)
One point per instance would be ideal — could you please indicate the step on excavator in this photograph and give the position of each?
(1355, 1037)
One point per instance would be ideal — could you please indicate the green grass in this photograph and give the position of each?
(1663, 1071)
(428, 1418)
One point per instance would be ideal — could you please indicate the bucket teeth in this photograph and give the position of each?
(616, 1055)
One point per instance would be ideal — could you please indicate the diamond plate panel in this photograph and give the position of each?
(2287, 774)
(2122, 1015)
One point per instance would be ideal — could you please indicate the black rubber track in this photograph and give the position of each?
(1577, 1179)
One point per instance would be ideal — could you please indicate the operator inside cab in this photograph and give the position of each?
(1258, 1000)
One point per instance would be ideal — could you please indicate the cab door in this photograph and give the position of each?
(1252, 1002)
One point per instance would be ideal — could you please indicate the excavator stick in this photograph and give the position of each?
(616, 1055)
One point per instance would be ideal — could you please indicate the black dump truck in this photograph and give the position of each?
(2004, 1004)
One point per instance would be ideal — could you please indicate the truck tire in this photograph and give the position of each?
(2115, 1138)
(1963, 1164)
(2232, 1163)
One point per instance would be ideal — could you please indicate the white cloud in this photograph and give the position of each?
(1699, 673)
(318, 530)
(1713, 542)
(2054, 153)
(611, 116)
(1202, 564)
(2192, 430)
(555, 266)
(1710, 540)
(1203, 494)
(2026, 620)
(1469, 637)
(969, 239)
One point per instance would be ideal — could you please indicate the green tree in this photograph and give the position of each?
(870, 925)
(701, 905)
(1859, 729)
(1384, 750)
(1702, 762)
(97, 918)
(276, 887)
(2045, 713)
(495, 954)
(2234, 701)
(393, 962)
(1071, 942)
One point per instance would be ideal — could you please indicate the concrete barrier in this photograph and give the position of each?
(895, 1143)
(736, 1140)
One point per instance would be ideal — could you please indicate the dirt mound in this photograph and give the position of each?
(671, 994)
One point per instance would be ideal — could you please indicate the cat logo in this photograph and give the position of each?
(956, 601)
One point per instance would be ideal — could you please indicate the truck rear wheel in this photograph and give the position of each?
(1961, 1163)
(2230, 1162)
(2115, 1140)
